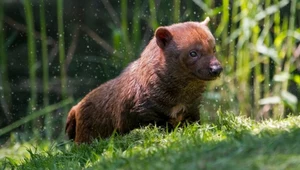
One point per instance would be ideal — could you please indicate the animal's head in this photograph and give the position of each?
(192, 46)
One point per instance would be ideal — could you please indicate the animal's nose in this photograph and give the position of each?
(215, 70)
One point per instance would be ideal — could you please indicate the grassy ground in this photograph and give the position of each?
(229, 143)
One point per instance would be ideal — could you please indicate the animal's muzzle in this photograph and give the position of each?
(215, 70)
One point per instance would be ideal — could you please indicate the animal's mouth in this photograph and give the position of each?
(208, 76)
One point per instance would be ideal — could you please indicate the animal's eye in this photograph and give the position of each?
(193, 54)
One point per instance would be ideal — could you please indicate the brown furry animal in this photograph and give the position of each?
(162, 87)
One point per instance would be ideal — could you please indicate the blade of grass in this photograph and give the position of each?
(257, 74)
(125, 34)
(4, 83)
(176, 11)
(61, 42)
(153, 19)
(266, 84)
(290, 47)
(205, 6)
(290, 42)
(137, 25)
(45, 63)
(222, 30)
(35, 115)
(31, 54)
(232, 47)
(277, 31)
(61, 46)
(117, 38)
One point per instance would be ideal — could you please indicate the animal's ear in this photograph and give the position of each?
(163, 37)
(206, 21)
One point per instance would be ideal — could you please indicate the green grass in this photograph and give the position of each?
(228, 143)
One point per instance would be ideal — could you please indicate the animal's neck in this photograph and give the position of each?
(169, 85)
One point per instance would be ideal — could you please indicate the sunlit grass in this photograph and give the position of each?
(228, 143)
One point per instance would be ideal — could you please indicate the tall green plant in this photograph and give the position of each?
(268, 20)
(45, 63)
(176, 12)
(290, 40)
(125, 34)
(35, 115)
(153, 18)
(136, 30)
(222, 30)
(4, 83)
(61, 42)
(252, 51)
(31, 54)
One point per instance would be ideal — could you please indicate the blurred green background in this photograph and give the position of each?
(53, 52)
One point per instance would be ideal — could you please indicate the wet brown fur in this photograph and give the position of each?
(162, 87)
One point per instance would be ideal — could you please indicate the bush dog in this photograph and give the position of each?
(162, 87)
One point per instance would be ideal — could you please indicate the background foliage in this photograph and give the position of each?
(52, 52)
